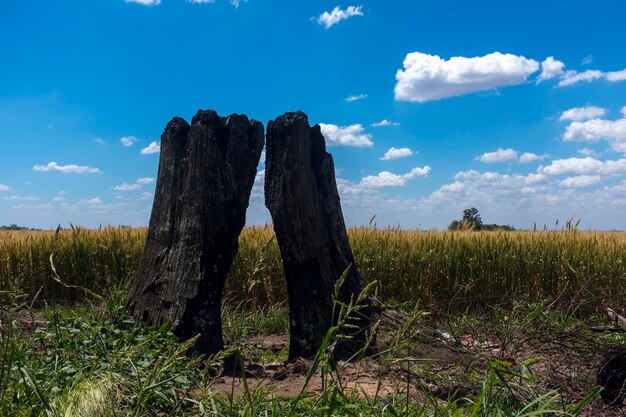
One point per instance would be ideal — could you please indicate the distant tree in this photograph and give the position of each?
(494, 227)
(455, 225)
(472, 221)
(471, 217)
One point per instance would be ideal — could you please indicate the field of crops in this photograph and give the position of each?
(445, 270)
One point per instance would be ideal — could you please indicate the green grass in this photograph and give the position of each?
(92, 360)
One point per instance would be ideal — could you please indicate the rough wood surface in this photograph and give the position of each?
(206, 173)
(301, 195)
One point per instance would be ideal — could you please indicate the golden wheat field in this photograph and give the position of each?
(447, 270)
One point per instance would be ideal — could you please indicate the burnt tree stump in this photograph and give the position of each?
(301, 195)
(206, 173)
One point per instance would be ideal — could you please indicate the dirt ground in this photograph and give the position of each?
(440, 370)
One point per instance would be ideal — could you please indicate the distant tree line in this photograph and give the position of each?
(472, 221)
(15, 227)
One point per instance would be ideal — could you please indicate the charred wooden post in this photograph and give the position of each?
(301, 195)
(206, 173)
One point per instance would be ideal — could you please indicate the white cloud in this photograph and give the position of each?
(429, 77)
(258, 192)
(580, 181)
(128, 140)
(153, 147)
(454, 187)
(587, 152)
(396, 153)
(144, 181)
(472, 187)
(388, 179)
(236, 3)
(507, 180)
(385, 122)
(578, 114)
(616, 76)
(350, 99)
(573, 77)
(327, 19)
(613, 131)
(528, 157)
(96, 201)
(501, 155)
(550, 68)
(137, 185)
(584, 166)
(66, 169)
(4, 187)
(100, 141)
(127, 187)
(145, 2)
(624, 111)
(352, 135)
(20, 198)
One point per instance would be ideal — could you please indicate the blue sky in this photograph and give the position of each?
(516, 108)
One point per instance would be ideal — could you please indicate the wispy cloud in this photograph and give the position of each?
(145, 2)
(385, 122)
(552, 68)
(66, 169)
(352, 135)
(137, 185)
(396, 153)
(153, 147)
(329, 19)
(350, 99)
(96, 201)
(573, 77)
(127, 187)
(588, 152)
(4, 187)
(20, 198)
(428, 77)
(556, 69)
(128, 140)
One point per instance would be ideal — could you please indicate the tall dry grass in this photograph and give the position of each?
(452, 270)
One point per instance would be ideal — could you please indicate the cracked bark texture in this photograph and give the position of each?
(301, 195)
(206, 173)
